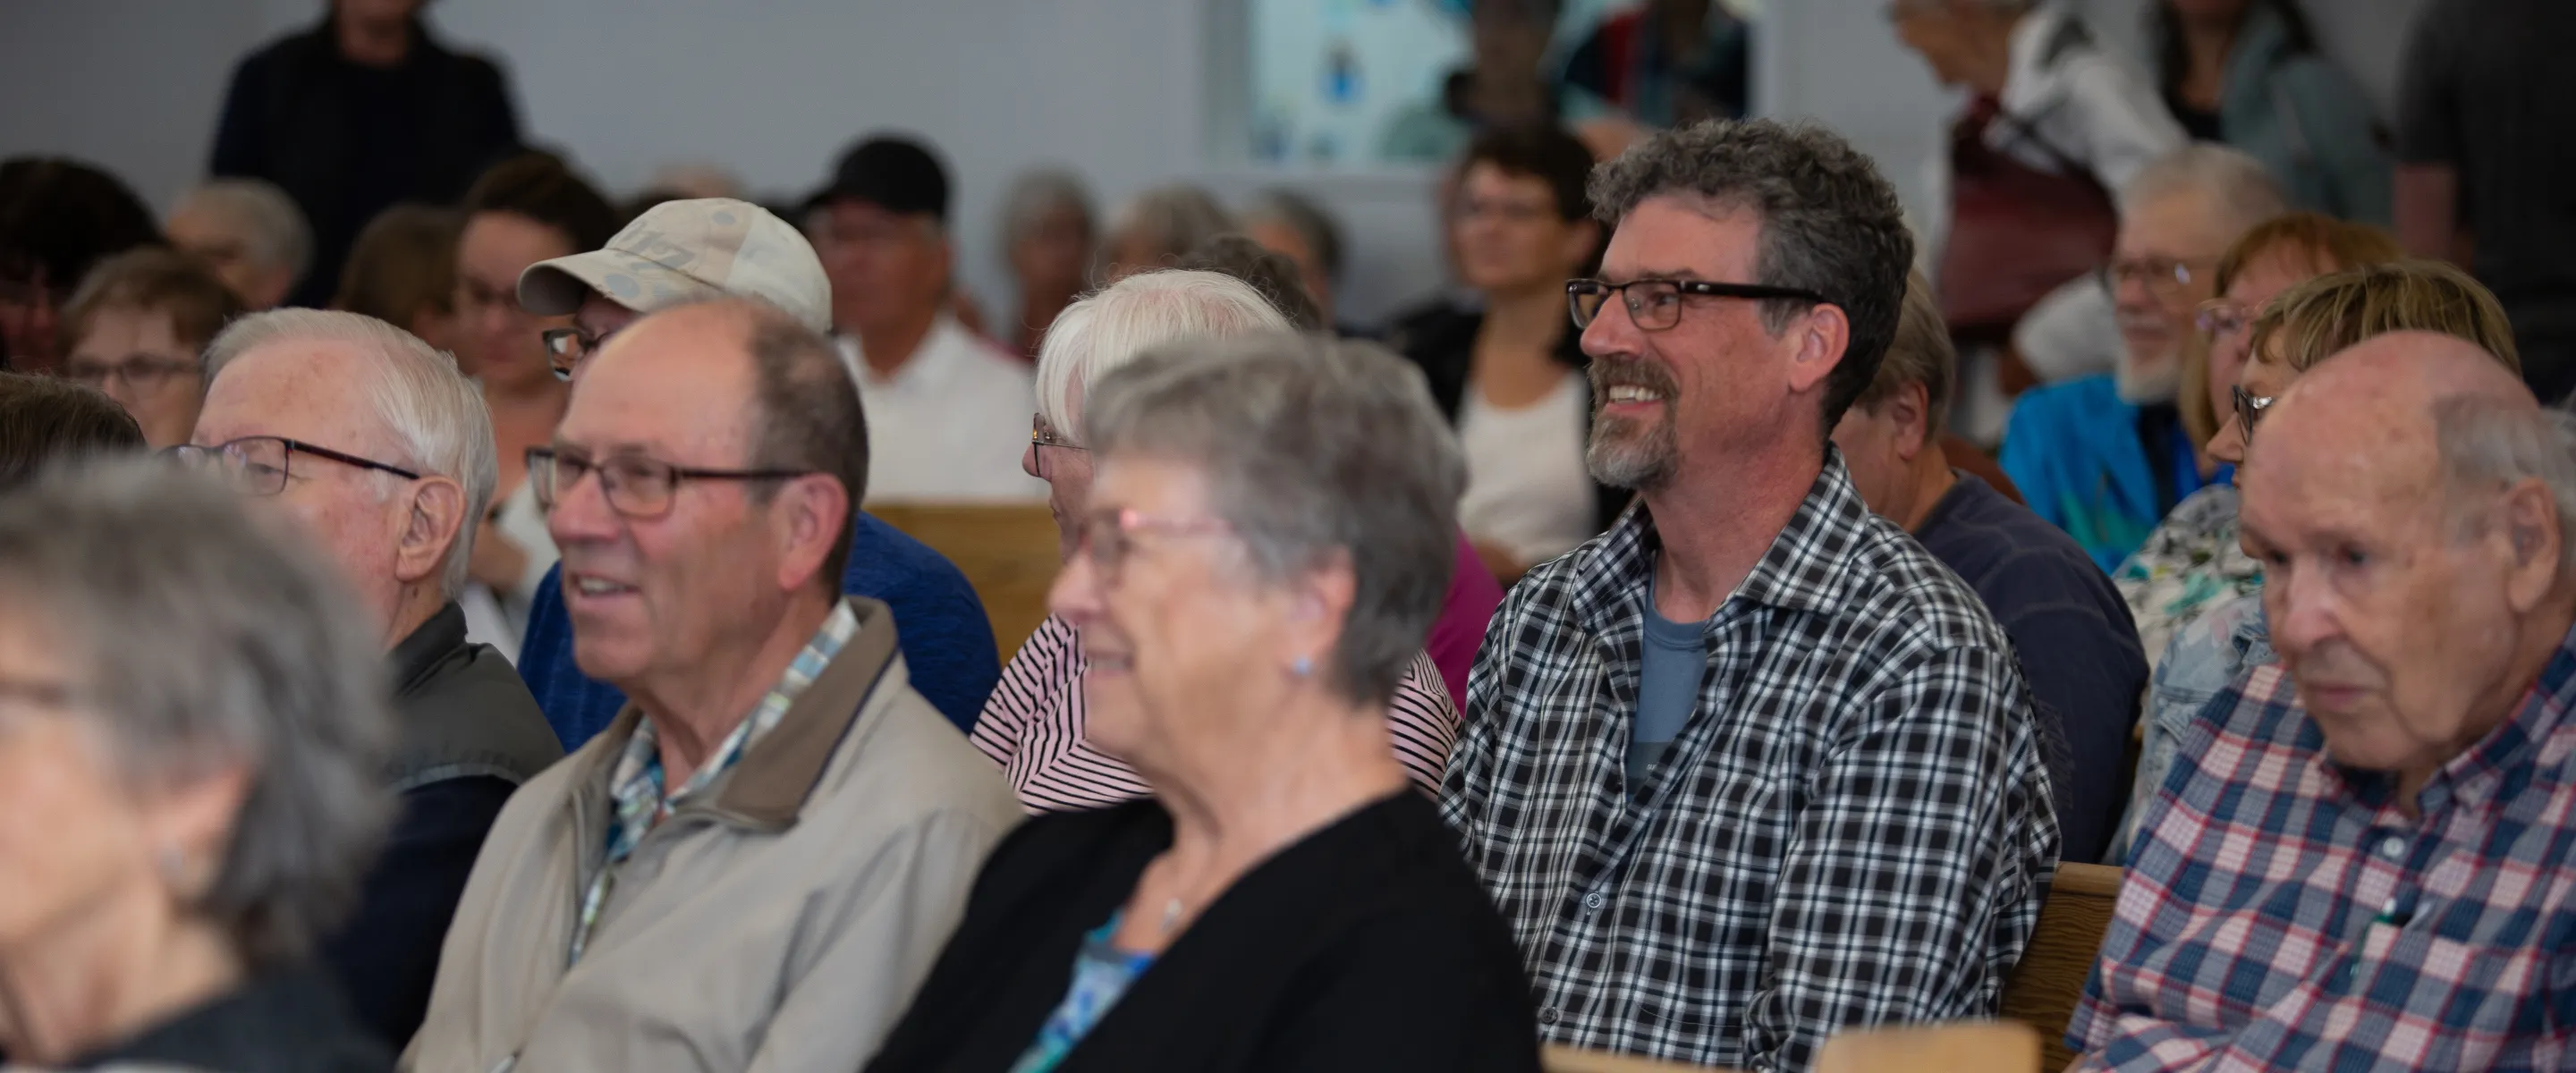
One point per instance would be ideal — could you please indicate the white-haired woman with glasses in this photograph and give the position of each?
(1035, 724)
(1268, 536)
(192, 726)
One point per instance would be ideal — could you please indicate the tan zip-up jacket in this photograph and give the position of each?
(778, 921)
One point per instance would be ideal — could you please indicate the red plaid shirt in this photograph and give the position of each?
(2281, 912)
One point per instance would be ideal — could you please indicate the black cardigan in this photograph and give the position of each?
(1368, 945)
(1440, 338)
(345, 141)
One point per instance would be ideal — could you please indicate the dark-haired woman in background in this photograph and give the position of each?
(527, 209)
(1510, 373)
(2248, 73)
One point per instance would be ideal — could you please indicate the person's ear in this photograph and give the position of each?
(433, 521)
(806, 519)
(2529, 520)
(1911, 409)
(1320, 607)
(190, 822)
(1820, 335)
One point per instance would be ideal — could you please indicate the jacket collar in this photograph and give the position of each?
(429, 645)
(767, 789)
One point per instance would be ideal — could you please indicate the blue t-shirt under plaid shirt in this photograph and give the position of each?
(636, 783)
(1101, 975)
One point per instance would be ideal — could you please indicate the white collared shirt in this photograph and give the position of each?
(950, 424)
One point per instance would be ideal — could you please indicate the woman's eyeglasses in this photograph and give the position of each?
(2249, 409)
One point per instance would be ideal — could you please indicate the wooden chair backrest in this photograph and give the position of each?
(1981, 1047)
(2044, 988)
(1570, 1060)
(1008, 552)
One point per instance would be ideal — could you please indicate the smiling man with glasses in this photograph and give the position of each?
(2107, 457)
(753, 866)
(377, 448)
(1690, 740)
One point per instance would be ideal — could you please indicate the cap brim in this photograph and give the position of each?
(558, 287)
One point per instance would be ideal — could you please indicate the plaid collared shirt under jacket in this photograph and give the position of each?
(1853, 828)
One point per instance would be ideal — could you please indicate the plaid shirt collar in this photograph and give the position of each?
(1798, 573)
(2499, 765)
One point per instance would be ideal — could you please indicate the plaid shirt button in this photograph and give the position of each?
(1593, 900)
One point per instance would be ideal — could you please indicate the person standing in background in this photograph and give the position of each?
(1668, 63)
(357, 113)
(527, 209)
(2021, 191)
(2484, 106)
(2247, 73)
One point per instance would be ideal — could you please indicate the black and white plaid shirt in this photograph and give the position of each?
(1853, 828)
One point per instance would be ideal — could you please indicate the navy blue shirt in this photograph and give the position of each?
(947, 641)
(2078, 646)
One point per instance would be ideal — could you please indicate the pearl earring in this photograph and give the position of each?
(1304, 667)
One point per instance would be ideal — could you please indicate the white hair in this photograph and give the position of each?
(1110, 327)
(2488, 444)
(2232, 184)
(436, 416)
(278, 235)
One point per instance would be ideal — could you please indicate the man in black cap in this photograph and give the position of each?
(948, 413)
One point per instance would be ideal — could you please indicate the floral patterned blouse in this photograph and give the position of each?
(2191, 563)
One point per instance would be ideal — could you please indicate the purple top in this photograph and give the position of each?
(1473, 595)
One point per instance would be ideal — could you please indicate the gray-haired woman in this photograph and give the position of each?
(191, 724)
(1267, 538)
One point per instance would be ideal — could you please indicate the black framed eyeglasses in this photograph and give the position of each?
(2249, 409)
(1656, 304)
(567, 347)
(260, 465)
(636, 486)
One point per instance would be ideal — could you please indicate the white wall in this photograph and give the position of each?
(1126, 91)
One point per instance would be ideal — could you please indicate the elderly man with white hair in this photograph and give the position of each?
(1034, 725)
(380, 450)
(2358, 861)
(2106, 457)
(250, 233)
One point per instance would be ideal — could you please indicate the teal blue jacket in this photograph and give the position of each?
(2074, 451)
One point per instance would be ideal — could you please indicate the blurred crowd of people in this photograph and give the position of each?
(440, 615)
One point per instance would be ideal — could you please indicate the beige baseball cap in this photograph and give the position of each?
(686, 251)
